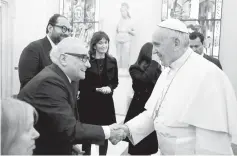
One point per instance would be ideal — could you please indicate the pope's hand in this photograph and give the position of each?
(116, 133)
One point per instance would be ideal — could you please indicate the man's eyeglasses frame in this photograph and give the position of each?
(63, 28)
(83, 57)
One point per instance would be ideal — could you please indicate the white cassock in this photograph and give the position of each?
(193, 109)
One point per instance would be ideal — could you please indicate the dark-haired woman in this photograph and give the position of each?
(96, 105)
(144, 74)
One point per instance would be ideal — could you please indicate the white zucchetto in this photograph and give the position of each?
(174, 24)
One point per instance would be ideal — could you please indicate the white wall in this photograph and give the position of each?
(31, 18)
(228, 48)
(144, 13)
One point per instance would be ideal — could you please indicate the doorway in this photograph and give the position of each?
(6, 63)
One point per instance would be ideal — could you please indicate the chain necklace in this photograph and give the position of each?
(165, 90)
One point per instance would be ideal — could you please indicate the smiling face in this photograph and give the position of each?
(77, 66)
(102, 46)
(163, 46)
(169, 45)
(72, 58)
(56, 32)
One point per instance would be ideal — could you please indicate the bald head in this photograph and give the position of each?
(72, 57)
(68, 45)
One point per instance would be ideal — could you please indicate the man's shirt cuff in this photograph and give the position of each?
(106, 131)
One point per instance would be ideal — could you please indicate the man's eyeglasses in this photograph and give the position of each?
(84, 58)
(63, 28)
(194, 46)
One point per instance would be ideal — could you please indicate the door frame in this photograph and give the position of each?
(6, 47)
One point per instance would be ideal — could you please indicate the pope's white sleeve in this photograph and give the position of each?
(140, 127)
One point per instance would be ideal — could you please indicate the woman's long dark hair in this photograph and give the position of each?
(145, 54)
(97, 36)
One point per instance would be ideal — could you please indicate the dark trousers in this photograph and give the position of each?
(102, 148)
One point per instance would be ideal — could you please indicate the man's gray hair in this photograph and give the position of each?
(183, 37)
(69, 44)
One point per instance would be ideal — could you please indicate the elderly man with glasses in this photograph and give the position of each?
(35, 56)
(51, 93)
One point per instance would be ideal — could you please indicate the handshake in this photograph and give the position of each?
(118, 133)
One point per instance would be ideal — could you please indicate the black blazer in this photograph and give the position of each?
(59, 126)
(96, 103)
(33, 59)
(213, 60)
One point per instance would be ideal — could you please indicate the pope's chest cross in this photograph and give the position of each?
(167, 80)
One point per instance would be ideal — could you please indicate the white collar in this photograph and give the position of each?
(50, 41)
(69, 79)
(180, 61)
(204, 52)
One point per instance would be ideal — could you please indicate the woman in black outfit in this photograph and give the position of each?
(144, 74)
(96, 105)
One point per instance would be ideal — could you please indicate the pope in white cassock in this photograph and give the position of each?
(193, 107)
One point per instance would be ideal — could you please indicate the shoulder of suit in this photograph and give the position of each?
(50, 74)
(36, 43)
(213, 58)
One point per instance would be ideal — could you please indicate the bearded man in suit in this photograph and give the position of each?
(35, 56)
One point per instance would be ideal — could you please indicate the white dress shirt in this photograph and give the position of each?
(50, 41)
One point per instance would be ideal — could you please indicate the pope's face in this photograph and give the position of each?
(163, 47)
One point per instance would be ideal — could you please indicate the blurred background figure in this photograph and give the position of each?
(144, 74)
(196, 44)
(96, 105)
(17, 127)
(124, 32)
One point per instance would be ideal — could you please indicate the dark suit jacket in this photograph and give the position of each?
(213, 60)
(33, 59)
(51, 94)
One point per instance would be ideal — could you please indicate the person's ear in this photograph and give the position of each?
(176, 42)
(63, 60)
(50, 28)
